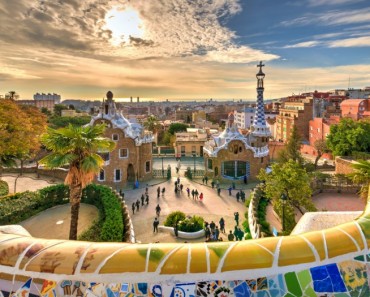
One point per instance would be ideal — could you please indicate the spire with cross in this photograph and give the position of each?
(259, 127)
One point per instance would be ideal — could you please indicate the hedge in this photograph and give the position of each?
(4, 188)
(109, 227)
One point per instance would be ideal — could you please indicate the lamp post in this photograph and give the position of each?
(284, 199)
(162, 168)
(194, 163)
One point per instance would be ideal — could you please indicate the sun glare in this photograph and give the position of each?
(123, 24)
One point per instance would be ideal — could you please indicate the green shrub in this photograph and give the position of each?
(193, 224)
(4, 188)
(173, 218)
(109, 227)
(188, 173)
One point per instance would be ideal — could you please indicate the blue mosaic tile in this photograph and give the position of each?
(242, 290)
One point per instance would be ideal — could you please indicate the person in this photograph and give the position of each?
(233, 184)
(146, 189)
(240, 234)
(230, 189)
(177, 169)
(203, 180)
(133, 207)
(212, 225)
(201, 197)
(236, 217)
(242, 196)
(181, 187)
(219, 191)
(213, 184)
(142, 200)
(206, 224)
(222, 225)
(155, 225)
(206, 179)
(236, 231)
(158, 210)
(175, 190)
(230, 237)
(175, 183)
(193, 193)
(216, 233)
(147, 199)
(237, 196)
(163, 190)
(188, 191)
(158, 192)
(196, 194)
(138, 204)
(208, 234)
(178, 180)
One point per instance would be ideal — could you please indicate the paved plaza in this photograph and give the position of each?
(212, 208)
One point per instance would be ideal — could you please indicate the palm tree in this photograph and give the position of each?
(362, 176)
(152, 124)
(76, 147)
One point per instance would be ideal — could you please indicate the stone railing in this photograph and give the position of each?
(331, 262)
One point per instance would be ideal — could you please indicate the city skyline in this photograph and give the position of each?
(180, 49)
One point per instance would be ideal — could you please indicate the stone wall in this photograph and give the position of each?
(343, 165)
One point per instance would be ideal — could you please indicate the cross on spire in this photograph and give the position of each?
(260, 65)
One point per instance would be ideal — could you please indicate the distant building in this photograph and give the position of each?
(232, 155)
(245, 117)
(190, 143)
(131, 160)
(298, 111)
(72, 113)
(355, 108)
(48, 96)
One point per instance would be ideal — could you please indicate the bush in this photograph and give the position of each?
(173, 218)
(188, 173)
(4, 188)
(193, 224)
(109, 227)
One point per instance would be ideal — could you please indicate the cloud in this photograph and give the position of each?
(351, 42)
(331, 2)
(333, 18)
(304, 44)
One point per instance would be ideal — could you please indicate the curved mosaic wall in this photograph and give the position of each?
(332, 262)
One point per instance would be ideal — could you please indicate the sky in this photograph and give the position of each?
(182, 49)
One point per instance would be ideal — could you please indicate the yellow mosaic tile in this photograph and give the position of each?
(338, 243)
(60, 259)
(158, 253)
(352, 230)
(317, 240)
(246, 255)
(198, 263)
(177, 262)
(216, 252)
(97, 253)
(268, 243)
(130, 259)
(365, 227)
(11, 250)
(295, 250)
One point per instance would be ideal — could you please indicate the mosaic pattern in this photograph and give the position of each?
(347, 278)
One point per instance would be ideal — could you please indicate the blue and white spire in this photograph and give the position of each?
(259, 127)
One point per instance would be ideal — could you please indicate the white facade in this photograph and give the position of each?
(244, 119)
(48, 96)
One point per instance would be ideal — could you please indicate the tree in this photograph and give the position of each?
(152, 124)
(349, 136)
(58, 109)
(177, 127)
(321, 148)
(20, 130)
(293, 181)
(77, 148)
(362, 176)
(292, 148)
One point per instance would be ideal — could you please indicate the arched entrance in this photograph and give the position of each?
(130, 173)
(216, 171)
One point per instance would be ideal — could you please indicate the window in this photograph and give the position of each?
(123, 153)
(183, 151)
(105, 157)
(235, 149)
(209, 164)
(117, 175)
(115, 137)
(147, 166)
(101, 176)
(193, 150)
